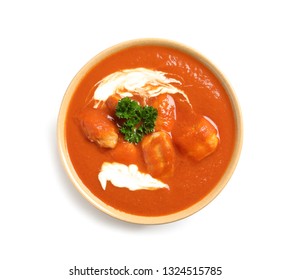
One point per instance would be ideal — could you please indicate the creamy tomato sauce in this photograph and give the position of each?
(192, 179)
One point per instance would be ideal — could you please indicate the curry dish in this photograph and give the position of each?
(150, 130)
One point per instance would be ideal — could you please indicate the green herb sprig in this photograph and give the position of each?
(136, 121)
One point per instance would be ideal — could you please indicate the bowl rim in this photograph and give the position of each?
(95, 201)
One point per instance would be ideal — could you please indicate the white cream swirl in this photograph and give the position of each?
(137, 81)
(123, 176)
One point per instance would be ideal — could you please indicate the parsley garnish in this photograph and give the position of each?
(137, 120)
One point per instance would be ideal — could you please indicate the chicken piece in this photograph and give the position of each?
(165, 105)
(126, 153)
(198, 140)
(112, 103)
(98, 128)
(159, 154)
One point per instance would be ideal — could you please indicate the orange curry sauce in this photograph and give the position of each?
(191, 180)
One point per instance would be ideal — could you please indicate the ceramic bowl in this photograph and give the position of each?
(69, 168)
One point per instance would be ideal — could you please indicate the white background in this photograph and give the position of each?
(47, 227)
